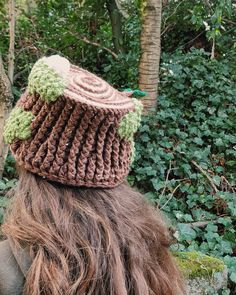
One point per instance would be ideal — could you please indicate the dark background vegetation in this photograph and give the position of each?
(186, 150)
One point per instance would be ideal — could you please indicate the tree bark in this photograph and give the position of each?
(11, 56)
(5, 107)
(116, 23)
(6, 96)
(150, 52)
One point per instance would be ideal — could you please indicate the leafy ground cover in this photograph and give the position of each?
(186, 154)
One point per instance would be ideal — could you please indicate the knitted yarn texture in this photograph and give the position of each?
(130, 122)
(18, 125)
(45, 81)
(72, 127)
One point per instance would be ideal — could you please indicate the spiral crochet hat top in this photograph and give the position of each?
(72, 127)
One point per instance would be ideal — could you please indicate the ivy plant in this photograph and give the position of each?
(186, 153)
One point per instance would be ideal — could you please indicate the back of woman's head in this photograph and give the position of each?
(90, 241)
(73, 128)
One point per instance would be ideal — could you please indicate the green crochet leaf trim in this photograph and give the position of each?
(45, 81)
(131, 122)
(132, 152)
(136, 92)
(18, 125)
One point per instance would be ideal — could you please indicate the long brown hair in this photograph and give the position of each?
(90, 241)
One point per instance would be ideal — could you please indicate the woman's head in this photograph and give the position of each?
(73, 128)
(90, 241)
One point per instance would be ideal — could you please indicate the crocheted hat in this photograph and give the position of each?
(72, 127)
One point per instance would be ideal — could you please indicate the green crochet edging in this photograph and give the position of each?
(131, 122)
(132, 152)
(136, 92)
(18, 125)
(45, 81)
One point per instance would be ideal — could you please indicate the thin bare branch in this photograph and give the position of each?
(202, 224)
(213, 48)
(171, 196)
(17, 75)
(86, 40)
(228, 184)
(206, 175)
(167, 28)
(166, 180)
(121, 8)
(190, 41)
(173, 13)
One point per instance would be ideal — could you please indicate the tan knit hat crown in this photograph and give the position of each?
(72, 127)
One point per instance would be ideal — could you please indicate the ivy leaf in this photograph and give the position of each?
(4, 202)
(186, 232)
(219, 142)
(233, 277)
(217, 180)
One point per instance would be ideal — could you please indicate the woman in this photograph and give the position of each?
(75, 226)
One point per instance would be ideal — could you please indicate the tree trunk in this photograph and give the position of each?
(11, 56)
(116, 23)
(150, 52)
(5, 107)
(6, 82)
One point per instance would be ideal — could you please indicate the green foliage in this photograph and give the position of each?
(5, 185)
(2, 212)
(80, 31)
(185, 153)
(10, 167)
(198, 22)
(195, 264)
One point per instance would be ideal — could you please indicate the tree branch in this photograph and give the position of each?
(86, 40)
(206, 175)
(202, 224)
(213, 48)
(116, 25)
(17, 75)
(119, 5)
(166, 180)
(171, 196)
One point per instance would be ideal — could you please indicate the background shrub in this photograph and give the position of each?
(186, 153)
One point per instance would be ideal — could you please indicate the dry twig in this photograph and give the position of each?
(171, 196)
(206, 175)
(86, 40)
(166, 180)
